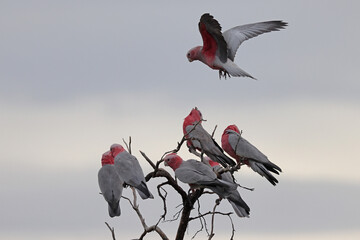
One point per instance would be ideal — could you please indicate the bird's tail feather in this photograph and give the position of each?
(263, 171)
(239, 205)
(234, 70)
(143, 191)
(114, 209)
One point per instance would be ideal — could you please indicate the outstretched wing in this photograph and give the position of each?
(213, 40)
(235, 36)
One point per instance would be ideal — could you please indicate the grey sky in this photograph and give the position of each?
(78, 76)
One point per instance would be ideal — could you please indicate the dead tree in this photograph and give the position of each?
(188, 201)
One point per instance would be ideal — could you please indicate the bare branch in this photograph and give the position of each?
(233, 228)
(202, 221)
(128, 146)
(212, 135)
(147, 229)
(217, 202)
(148, 160)
(208, 213)
(159, 172)
(183, 139)
(159, 187)
(157, 230)
(111, 230)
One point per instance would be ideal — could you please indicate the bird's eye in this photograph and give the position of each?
(188, 54)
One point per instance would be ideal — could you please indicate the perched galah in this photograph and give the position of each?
(129, 169)
(198, 175)
(244, 152)
(199, 139)
(110, 183)
(239, 205)
(219, 49)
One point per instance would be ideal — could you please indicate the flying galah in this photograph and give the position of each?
(240, 207)
(129, 169)
(219, 49)
(198, 174)
(199, 139)
(110, 183)
(244, 152)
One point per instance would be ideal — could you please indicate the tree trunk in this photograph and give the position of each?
(184, 221)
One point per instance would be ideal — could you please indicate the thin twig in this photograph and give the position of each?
(233, 228)
(147, 229)
(128, 146)
(183, 139)
(217, 202)
(212, 135)
(159, 187)
(208, 213)
(148, 160)
(112, 230)
(200, 219)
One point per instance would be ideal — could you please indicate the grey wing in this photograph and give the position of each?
(139, 180)
(195, 172)
(202, 140)
(137, 171)
(198, 135)
(129, 169)
(235, 36)
(245, 149)
(259, 162)
(226, 176)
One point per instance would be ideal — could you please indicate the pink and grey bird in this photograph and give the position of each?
(246, 153)
(199, 139)
(219, 49)
(129, 169)
(238, 204)
(198, 175)
(110, 183)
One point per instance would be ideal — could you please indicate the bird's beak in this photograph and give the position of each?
(190, 60)
(165, 163)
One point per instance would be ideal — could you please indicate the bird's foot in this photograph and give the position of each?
(223, 73)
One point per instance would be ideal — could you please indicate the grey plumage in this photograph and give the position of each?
(111, 186)
(238, 204)
(201, 139)
(257, 160)
(129, 169)
(198, 174)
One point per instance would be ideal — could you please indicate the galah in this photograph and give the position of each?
(239, 205)
(246, 153)
(110, 183)
(219, 49)
(199, 139)
(198, 175)
(129, 169)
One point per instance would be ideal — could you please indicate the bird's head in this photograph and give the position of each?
(193, 54)
(193, 117)
(231, 128)
(107, 159)
(115, 149)
(196, 114)
(172, 160)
